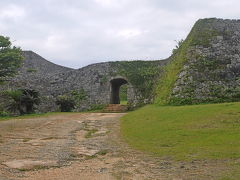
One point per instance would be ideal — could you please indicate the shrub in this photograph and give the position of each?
(22, 100)
(66, 103)
(78, 97)
(4, 114)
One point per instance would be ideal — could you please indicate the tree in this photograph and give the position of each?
(10, 58)
(22, 100)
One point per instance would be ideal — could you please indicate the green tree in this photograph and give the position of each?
(10, 58)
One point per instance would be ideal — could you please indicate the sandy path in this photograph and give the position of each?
(83, 146)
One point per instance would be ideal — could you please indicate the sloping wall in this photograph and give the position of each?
(207, 65)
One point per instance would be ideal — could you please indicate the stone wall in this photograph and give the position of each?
(52, 80)
(211, 72)
(207, 68)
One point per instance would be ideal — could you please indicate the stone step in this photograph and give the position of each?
(115, 108)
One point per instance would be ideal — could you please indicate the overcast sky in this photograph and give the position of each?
(76, 33)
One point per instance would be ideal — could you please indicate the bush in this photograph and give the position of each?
(4, 114)
(66, 103)
(78, 97)
(22, 100)
(73, 100)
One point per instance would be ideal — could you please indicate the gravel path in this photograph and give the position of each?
(83, 146)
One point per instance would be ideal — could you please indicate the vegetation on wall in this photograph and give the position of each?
(170, 75)
(31, 70)
(66, 103)
(200, 35)
(78, 96)
(73, 100)
(141, 74)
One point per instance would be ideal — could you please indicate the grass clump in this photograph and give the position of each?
(90, 133)
(103, 152)
(209, 131)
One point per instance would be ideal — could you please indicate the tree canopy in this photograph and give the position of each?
(10, 58)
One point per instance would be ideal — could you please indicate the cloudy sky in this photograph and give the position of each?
(76, 33)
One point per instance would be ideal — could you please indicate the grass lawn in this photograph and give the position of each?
(210, 131)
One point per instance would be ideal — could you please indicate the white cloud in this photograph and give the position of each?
(129, 33)
(78, 33)
(56, 43)
(12, 12)
(105, 2)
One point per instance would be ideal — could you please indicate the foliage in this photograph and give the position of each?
(22, 100)
(103, 79)
(10, 58)
(66, 103)
(78, 97)
(179, 43)
(123, 92)
(209, 131)
(170, 75)
(31, 70)
(203, 34)
(141, 74)
(4, 114)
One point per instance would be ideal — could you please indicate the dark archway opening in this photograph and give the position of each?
(115, 90)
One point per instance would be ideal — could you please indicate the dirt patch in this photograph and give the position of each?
(29, 164)
(85, 146)
(86, 152)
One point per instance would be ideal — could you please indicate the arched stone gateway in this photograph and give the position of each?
(116, 83)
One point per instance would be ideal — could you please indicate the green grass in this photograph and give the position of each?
(90, 133)
(123, 102)
(210, 131)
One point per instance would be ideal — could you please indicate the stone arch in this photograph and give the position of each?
(116, 83)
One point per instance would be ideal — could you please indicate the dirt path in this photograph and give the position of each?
(83, 146)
